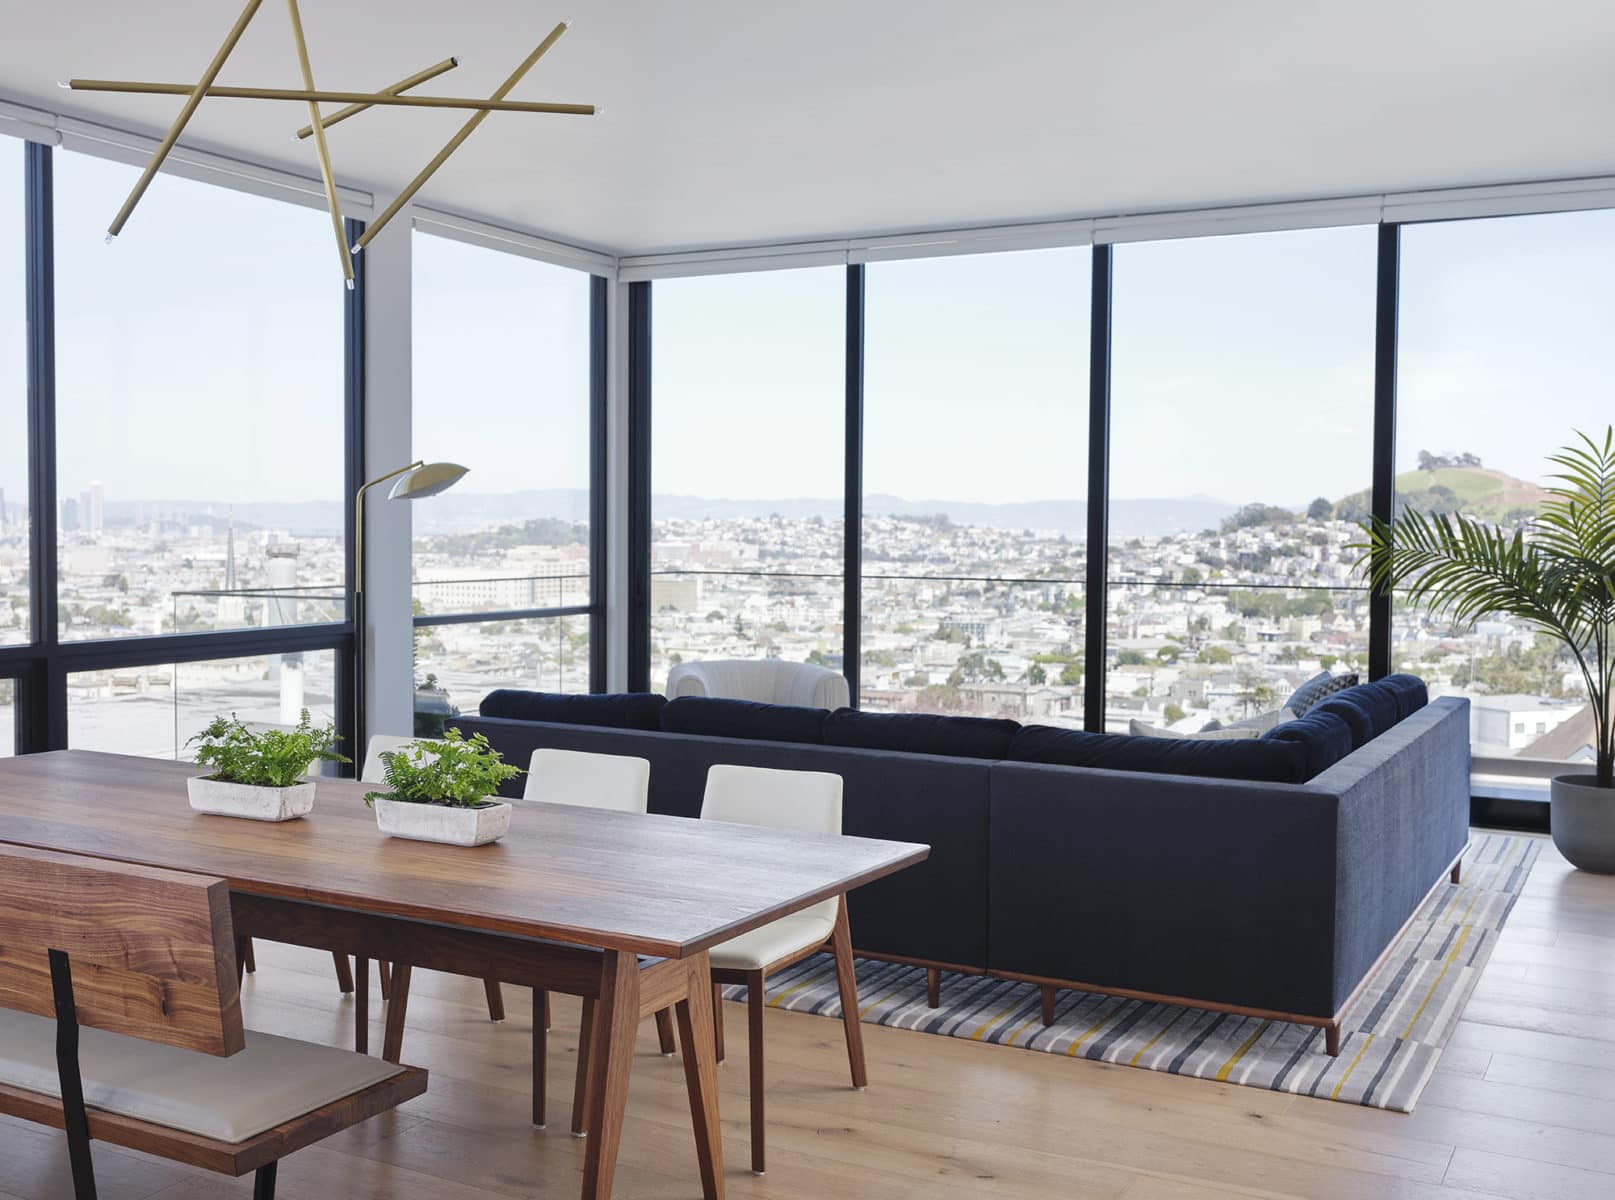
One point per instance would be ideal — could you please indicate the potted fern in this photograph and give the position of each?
(1558, 574)
(444, 791)
(260, 774)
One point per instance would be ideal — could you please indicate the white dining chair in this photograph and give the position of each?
(808, 802)
(375, 769)
(620, 783)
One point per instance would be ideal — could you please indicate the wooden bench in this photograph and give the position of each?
(120, 1021)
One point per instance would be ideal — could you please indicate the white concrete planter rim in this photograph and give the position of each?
(222, 798)
(451, 825)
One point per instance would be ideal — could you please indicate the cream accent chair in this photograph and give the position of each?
(768, 680)
(808, 801)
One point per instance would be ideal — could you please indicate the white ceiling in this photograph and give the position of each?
(741, 121)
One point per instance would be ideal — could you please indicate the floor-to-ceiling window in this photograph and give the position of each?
(975, 484)
(199, 409)
(747, 468)
(1242, 400)
(192, 401)
(1507, 350)
(502, 385)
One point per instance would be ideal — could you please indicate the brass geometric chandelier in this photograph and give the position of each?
(356, 102)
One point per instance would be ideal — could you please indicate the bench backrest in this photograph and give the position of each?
(152, 952)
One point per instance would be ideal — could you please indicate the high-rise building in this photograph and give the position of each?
(70, 514)
(91, 503)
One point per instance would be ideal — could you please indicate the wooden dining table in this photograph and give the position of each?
(618, 908)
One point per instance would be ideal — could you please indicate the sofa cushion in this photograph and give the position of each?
(1383, 705)
(921, 733)
(1317, 688)
(1351, 709)
(713, 717)
(621, 710)
(1241, 758)
(1324, 737)
(1411, 694)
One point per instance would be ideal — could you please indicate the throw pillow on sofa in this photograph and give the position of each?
(921, 733)
(748, 719)
(1317, 688)
(623, 710)
(1323, 737)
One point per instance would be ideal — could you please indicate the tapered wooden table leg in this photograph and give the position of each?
(392, 1042)
(694, 1015)
(385, 974)
(847, 982)
(717, 1020)
(611, 1060)
(496, 999)
(344, 973)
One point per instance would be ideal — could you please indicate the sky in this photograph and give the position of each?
(1242, 366)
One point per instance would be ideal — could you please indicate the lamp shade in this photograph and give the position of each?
(428, 479)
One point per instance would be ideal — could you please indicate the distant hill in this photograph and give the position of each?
(1475, 491)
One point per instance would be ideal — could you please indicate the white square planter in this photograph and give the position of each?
(254, 803)
(440, 823)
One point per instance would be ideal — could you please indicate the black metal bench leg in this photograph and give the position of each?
(263, 1183)
(74, 1120)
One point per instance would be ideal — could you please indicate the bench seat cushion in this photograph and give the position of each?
(272, 1081)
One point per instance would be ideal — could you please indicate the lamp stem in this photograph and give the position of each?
(359, 619)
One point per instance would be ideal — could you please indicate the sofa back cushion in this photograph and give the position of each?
(1324, 737)
(623, 710)
(1351, 710)
(1410, 692)
(1258, 759)
(921, 733)
(749, 719)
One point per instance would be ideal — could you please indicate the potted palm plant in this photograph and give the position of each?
(444, 791)
(1558, 574)
(259, 774)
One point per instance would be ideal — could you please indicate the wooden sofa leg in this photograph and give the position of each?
(1457, 871)
(1331, 1040)
(664, 1032)
(933, 987)
(1049, 993)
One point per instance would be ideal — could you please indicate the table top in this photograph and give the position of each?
(664, 886)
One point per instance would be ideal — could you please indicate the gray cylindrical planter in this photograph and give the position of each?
(1583, 816)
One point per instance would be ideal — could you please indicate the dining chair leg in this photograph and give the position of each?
(664, 1032)
(580, 1089)
(754, 1052)
(249, 958)
(717, 1020)
(344, 974)
(392, 1042)
(540, 1057)
(847, 983)
(361, 1005)
(496, 999)
(384, 972)
(611, 1061)
(694, 1014)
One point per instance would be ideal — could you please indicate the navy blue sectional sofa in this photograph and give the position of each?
(1265, 875)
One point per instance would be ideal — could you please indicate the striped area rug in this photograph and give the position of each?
(1393, 1035)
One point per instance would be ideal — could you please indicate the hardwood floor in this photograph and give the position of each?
(1522, 1104)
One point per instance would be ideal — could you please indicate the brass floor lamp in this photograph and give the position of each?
(416, 481)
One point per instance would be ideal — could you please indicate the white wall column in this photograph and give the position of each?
(389, 676)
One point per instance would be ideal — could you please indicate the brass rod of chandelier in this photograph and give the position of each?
(194, 96)
(327, 175)
(324, 95)
(403, 85)
(455, 142)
